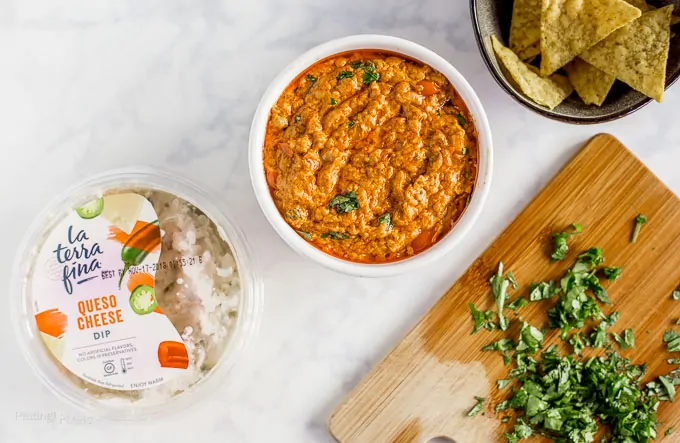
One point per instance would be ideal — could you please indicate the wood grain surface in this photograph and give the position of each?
(424, 388)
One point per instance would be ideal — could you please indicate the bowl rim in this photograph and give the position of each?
(519, 98)
(368, 42)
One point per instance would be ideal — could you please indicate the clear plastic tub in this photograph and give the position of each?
(121, 403)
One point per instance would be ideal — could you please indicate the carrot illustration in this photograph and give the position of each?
(122, 237)
(141, 278)
(52, 322)
(173, 354)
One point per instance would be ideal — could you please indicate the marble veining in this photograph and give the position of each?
(89, 85)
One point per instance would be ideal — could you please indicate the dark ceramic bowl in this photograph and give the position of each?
(492, 17)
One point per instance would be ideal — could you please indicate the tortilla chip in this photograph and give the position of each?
(548, 92)
(674, 18)
(569, 27)
(640, 4)
(525, 27)
(637, 54)
(590, 83)
(530, 52)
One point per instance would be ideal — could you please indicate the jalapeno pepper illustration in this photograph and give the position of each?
(138, 246)
(143, 300)
(91, 209)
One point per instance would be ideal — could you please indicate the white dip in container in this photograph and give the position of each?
(133, 295)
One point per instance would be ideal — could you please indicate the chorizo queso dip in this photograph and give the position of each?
(371, 156)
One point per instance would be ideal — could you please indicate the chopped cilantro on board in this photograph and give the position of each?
(481, 319)
(612, 272)
(499, 286)
(477, 408)
(519, 302)
(530, 339)
(567, 398)
(560, 242)
(676, 294)
(640, 220)
(543, 291)
(504, 344)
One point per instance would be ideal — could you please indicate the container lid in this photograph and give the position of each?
(132, 294)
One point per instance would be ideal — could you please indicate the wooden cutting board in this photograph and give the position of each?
(424, 388)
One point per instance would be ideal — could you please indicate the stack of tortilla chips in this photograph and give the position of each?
(593, 42)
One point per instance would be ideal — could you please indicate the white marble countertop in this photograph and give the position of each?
(89, 85)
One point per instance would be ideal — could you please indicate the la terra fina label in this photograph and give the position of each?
(94, 294)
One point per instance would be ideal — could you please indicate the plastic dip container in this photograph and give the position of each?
(133, 295)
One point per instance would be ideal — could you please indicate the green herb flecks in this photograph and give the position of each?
(578, 341)
(592, 257)
(543, 291)
(612, 272)
(351, 123)
(477, 408)
(370, 77)
(481, 319)
(461, 120)
(503, 344)
(344, 74)
(668, 386)
(499, 286)
(519, 302)
(640, 220)
(598, 338)
(333, 102)
(293, 214)
(668, 432)
(574, 306)
(627, 341)
(530, 339)
(511, 278)
(672, 340)
(386, 219)
(335, 235)
(560, 242)
(370, 74)
(522, 430)
(564, 398)
(464, 151)
(676, 294)
(344, 203)
(502, 384)
(306, 235)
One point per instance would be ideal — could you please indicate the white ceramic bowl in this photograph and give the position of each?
(368, 42)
